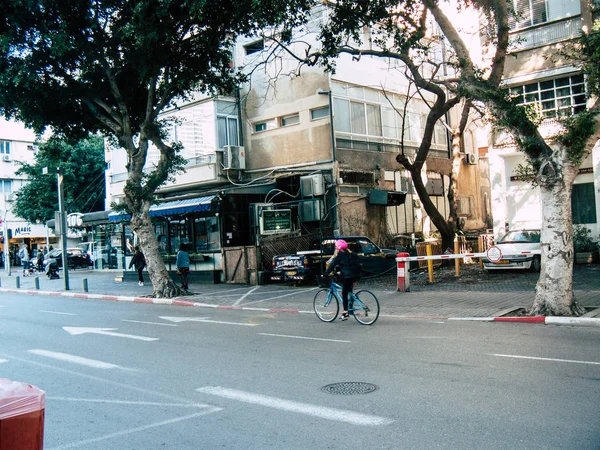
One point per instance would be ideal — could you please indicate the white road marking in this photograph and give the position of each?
(204, 320)
(323, 412)
(281, 296)
(239, 300)
(126, 402)
(304, 337)
(3, 361)
(58, 312)
(74, 359)
(547, 359)
(150, 323)
(135, 430)
(106, 332)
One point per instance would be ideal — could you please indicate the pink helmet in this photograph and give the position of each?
(340, 244)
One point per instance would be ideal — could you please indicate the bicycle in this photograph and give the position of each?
(363, 305)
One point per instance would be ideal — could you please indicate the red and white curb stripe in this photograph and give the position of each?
(574, 321)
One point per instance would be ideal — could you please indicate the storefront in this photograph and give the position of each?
(36, 237)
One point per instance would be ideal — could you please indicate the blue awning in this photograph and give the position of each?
(188, 205)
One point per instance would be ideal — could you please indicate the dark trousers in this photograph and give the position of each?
(140, 276)
(347, 287)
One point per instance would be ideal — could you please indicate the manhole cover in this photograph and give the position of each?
(349, 388)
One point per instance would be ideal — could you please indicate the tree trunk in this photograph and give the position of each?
(162, 285)
(554, 290)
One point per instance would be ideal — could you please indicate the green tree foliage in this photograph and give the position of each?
(82, 164)
(112, 66)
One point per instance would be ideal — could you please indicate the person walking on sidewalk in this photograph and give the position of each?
(24, 257)
(183, 265)
(139, 261)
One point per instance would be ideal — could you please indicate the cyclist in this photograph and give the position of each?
(342, 262)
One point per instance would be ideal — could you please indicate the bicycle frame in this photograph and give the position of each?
(336, 290)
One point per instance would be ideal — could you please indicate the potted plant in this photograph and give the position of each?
(586, 250)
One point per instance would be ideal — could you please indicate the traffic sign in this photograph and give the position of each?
(494, 254)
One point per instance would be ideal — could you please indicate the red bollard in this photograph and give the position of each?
(21, 416)
(403, 273)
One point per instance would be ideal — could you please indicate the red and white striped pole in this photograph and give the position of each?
(403, 273)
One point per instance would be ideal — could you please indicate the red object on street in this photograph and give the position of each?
(403, 273)
(21, 416)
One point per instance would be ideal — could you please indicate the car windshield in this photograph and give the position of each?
(524, 236)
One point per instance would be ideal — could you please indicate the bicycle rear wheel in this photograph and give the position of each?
(326, 305)
(366, 310)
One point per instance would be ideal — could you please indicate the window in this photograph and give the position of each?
(260, 126)
(265, 125)
(319, 113)
(533, 12)
(4, 147)
(254, 47)
(227, 124)
(290, 120)
(583, 204)
(6, 186)
(563, 96)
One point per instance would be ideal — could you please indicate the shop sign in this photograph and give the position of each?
(22, 231)
(275, 221)
(75, 220)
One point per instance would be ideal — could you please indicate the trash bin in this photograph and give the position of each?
(21, 416)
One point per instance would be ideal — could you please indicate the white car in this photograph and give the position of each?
(515, 246)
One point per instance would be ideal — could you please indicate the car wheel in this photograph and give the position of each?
(536, 264)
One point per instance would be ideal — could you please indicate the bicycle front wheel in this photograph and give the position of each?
(366, 309)
(326, 306)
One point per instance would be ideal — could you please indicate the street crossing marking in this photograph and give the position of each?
(323, 412)
(74, 359)
(547, 359)
(305, 337)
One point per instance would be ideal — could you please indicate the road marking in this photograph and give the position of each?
(127, 402)
(204, 320)
(323, 412)
(280, 296)
(3, 361)
(239, 300)
(547, 359)
(74, 359)
(304, 337)
(135, 430)
(150, 323)
(57, 312)
(106, 332)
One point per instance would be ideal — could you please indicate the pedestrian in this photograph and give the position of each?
(183, 265)
(346, 262)
(24, 257)
(40, 261)
(139, 261)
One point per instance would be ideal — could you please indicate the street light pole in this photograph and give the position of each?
(63, 227)
(6, 243)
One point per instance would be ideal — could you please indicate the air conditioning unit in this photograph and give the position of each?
(234, 157)
(6, 158)
(10, 197)
(470, 158)
(310, 210)
(312, 185)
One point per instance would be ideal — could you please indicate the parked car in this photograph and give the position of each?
(306, 265)
(512, 245)
(76, 258)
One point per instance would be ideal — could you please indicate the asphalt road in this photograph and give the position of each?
(140, 376)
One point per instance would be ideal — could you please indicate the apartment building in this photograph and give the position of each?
(16, 144)
(536, 73)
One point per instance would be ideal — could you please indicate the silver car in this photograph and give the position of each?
(516, 247)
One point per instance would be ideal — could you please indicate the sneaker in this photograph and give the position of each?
(344, 316)
(141, 283)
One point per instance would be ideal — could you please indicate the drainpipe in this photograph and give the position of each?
(333, 152)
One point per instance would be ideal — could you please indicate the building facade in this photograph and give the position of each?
(537, 74)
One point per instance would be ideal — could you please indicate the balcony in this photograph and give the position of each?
(546, 33)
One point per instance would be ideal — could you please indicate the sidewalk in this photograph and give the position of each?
(493, 297)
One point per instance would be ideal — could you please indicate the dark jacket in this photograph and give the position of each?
(342, 262)
(138, 260)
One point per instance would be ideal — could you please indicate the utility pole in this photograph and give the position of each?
(63, 227)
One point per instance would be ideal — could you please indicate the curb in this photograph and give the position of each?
(572, 321)
(546, 320)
